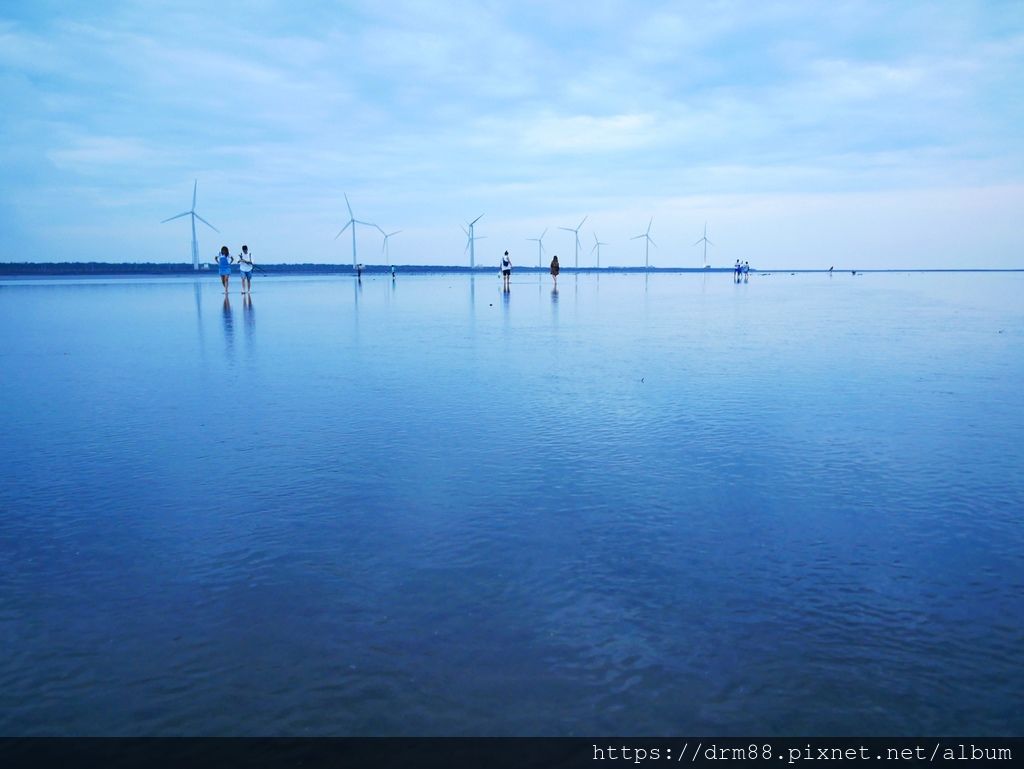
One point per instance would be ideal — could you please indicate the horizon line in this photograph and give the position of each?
(7, 268)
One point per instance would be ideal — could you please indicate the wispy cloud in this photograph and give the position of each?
(426, 113)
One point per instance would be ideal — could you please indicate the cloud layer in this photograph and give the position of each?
(794, 129)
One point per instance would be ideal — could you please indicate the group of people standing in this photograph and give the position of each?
(506, 271)
(224, 260)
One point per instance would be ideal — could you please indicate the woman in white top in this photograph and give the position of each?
(245, 269)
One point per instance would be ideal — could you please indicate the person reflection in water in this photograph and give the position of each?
(229, 322)
(247, 315)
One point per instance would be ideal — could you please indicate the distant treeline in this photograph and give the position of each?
(155, 268)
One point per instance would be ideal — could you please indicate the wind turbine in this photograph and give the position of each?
(352, 222)
(540, 246)
(597, 247)
(384, 248)
(576, 231)
(471, 238)
(192, 212)
(705, 241)
(647, 244)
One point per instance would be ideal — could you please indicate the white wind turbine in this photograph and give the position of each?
(540, 246)
(192, 212)
(352, 222)
(576, 232)
(647, 244)
(384, 248)
(597, 247)
(471, 239)
(706, 242)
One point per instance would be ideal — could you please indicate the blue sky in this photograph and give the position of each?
(868, 134)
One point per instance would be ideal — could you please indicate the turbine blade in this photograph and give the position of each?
(381, 231)
(709, 242)
(177, 217)
(197, 216)
(393, 233)
(567, 229)
(581, 221)
(642, 235)
(652, 241)
(343, 229)
(465, 230)
(477, 219)
(350, 214)
(649, 225)
(195, 185)
(699, 242)
(544, 233)
(594, 248)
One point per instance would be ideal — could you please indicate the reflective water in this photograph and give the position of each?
(663, 506)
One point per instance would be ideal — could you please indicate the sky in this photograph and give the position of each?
(804, 134)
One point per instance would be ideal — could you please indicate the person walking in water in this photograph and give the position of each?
(224, 261)
(506, 271)
(245, 269)
(555, 270)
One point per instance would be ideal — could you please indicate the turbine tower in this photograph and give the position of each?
(192, 212)
(576, 232)
(540, 246)
(384, 248)
(471, 239)
(647, 245)
(706, 242)
(597, 247)
(352, 222)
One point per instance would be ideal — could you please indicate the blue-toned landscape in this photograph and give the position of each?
(640, 505)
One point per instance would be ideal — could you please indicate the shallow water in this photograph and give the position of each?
(637, 506)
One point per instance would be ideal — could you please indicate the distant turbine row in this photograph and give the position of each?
(468, 229)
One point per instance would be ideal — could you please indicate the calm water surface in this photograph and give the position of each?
(662, 506)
